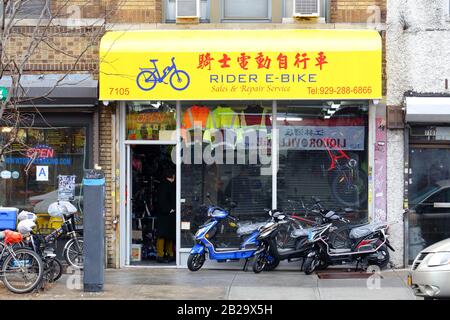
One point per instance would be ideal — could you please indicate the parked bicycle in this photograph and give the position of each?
(73, 250)
(148, 78)
(53, 268)
(22, 269)
(301, 216)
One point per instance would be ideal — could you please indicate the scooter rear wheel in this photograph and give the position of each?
(196, 261)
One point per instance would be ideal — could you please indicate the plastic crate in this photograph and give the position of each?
(8, 218)
(47, 224)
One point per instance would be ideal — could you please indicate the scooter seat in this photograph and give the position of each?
(249, 228)
(297, 233)
(365, 230)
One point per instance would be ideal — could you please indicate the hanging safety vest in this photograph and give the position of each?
(255, 122)
(226, 119)
(194, 117)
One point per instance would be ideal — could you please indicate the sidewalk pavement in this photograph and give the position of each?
(174, 284)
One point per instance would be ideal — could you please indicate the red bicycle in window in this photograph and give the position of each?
(348, 182)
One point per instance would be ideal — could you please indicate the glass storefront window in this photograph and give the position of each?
(61, 150)
(429, 196)
(323, 153)
(226, 154)
(152, 120)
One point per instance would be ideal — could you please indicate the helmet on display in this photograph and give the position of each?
(61, 208)
(25, 215)
(25, 226)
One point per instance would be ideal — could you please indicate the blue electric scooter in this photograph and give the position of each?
(208, 230)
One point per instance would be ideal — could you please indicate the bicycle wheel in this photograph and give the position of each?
(22, 271)
(73, 255)
(353, 194)
(179, 80)
(146, 80)
(54, 269)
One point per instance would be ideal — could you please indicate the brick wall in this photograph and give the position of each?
(114, 11)
(65, 49)
(106, 162)
(78, 8)
(355, 11)
(135, 11)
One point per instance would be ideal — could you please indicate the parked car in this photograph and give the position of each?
(430, 273)
(429, 216)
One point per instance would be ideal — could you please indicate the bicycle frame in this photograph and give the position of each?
(334, 158)
(8, 248)
(66, 228)
(336, 165)
(166, 71)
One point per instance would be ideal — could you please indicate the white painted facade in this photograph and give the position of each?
(418, 60)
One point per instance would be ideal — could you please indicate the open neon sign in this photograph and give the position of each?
(41, 152)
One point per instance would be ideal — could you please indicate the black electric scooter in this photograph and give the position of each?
(269, 248)
(368, 245)
(295, 245)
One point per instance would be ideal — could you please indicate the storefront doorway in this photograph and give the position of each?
(152, 209)
(429, 187)
(233, 159)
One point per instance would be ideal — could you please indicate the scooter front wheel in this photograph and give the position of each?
(272, 264)
(259, 262)
(311, 264)
(196, 261)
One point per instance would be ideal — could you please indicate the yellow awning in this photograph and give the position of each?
(240, 65)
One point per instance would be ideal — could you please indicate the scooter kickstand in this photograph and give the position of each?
(245, 265)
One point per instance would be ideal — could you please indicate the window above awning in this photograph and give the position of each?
(240, 65)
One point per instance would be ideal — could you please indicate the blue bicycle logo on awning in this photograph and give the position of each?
(149, 77)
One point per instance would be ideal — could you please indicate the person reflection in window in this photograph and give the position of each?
(221, 198)
(238, 188)
(438, 171)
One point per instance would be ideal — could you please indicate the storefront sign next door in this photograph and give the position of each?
(240, 65)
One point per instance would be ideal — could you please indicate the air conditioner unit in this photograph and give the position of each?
(306, 8)
(187, 9)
